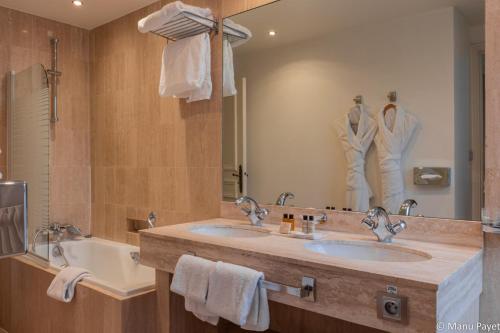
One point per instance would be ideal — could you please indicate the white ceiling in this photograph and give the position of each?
(294, 15)
(301, 19)
(92, 14)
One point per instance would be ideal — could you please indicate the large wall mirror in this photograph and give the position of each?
(358, 103)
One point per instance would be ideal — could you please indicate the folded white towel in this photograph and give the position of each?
(228, 84)
(232, 295)
(191, 280)
(231, 27)
(258, 318)
(168, 13)
(186, 69)
(63, 286)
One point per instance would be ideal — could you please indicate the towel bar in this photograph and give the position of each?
(307, 290)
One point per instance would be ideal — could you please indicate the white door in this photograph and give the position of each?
(234, 143)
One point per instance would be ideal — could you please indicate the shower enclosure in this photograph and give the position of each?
(28, 133)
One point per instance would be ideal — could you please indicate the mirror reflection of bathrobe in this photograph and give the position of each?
(356, 144)
(395, 129)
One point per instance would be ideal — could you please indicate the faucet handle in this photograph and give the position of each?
(396, 228)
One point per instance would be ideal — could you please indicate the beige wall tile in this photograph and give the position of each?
(25, 41)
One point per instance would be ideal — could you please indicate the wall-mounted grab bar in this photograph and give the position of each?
(54, 73)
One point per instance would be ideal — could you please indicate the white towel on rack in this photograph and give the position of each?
(236, 294)
(168, 13)
(230, 27)
(191, 278)
(228, 84)
(186, 69)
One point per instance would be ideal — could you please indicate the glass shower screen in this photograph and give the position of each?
(28, 126)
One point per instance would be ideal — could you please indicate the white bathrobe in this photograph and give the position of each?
(395, 129)
(358, 192)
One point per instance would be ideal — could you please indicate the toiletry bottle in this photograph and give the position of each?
(285, 226)
(312, 224)
(291, 219)
(305, 224)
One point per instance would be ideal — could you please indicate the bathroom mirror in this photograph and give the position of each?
(357, 103)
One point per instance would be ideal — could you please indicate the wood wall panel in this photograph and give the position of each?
(149, 153)
(91, 310)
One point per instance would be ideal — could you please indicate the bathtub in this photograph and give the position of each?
(109, 262)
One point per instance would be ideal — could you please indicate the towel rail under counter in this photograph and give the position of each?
(307, 290)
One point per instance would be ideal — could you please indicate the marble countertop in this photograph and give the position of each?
(445, 261)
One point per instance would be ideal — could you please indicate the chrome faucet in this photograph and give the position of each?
(255, 214)
(406, 206)
(379, 223)
(284, 197)
(151, 220)
(57, 232)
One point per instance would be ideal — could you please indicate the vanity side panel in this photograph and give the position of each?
(349, 297)
(457, 296)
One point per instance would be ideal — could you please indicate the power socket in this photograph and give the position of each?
(392, 307)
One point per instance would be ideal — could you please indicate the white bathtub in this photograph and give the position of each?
(109, 262)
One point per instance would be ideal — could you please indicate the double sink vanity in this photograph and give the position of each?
(431, 273)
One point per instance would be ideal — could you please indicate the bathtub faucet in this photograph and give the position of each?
(57, 231)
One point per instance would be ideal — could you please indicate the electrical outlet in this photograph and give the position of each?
(392, 307)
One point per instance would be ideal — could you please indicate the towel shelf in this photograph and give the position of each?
(233, 35)
(186, 25)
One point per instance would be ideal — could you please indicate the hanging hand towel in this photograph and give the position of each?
(190, 280)
(63, 286)
(232, 295)
(228, 84)
(168, 14)
(185, 70)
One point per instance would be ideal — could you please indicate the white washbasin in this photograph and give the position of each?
(360, 250)
(239, 231)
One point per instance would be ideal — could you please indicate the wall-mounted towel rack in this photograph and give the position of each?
(185, 25)
(307, 290)
(233, 35)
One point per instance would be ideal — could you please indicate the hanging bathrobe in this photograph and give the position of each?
(356, 144)
(395, 129)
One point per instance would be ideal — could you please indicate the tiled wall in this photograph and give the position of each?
(149, 153)
(24, 41)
